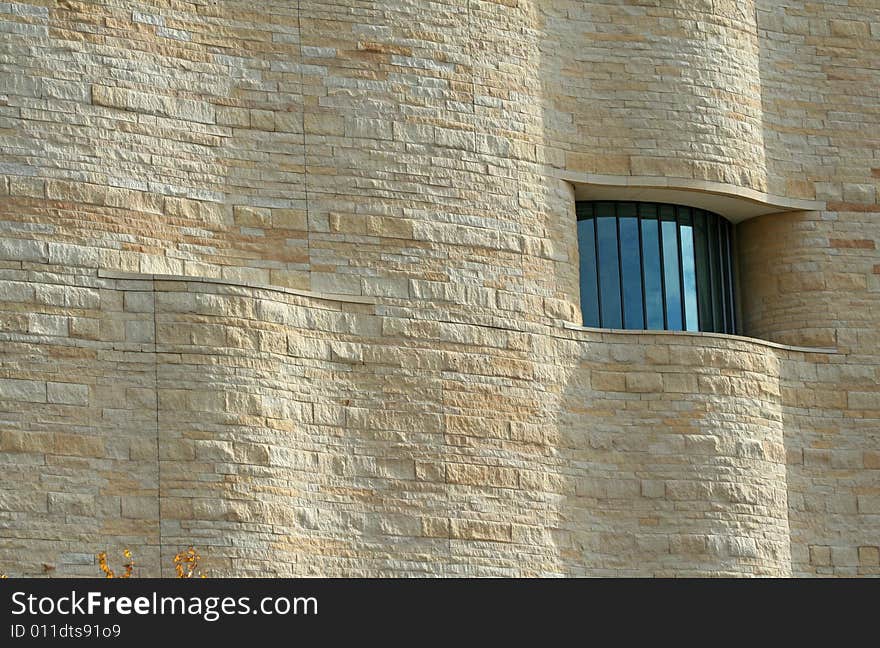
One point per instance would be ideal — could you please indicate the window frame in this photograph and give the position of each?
(715, 276)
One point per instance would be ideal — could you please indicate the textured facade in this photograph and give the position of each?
(297, 282)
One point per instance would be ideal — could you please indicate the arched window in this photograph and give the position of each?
(649, 266)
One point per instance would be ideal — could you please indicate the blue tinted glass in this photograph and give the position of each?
(633, 309)
(653, 266)
(609, 272)
(652, 281)
(589, 283)
(689, 273)
(672, 279)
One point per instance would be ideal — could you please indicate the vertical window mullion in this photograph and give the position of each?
(709, 265)
(620, 266)
(701, 256)
(698, 217)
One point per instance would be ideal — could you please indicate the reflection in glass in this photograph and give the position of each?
(671, 277)
(631, 271)
(609, 272)
(589, 277)
(652, 270)
(689, 274)
(688, 268)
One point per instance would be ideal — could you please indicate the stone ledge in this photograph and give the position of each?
(735, 203)
(188, 110)
(701, 334)
(138, 276)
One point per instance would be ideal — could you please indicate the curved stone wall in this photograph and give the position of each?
(289, 435)
(812, 278)
(329, 466)
(403, 152)
(675, 448)
(388, 152)
(667, 90)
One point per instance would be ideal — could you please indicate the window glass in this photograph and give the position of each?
(589, 276)
(701, 254)
(609, 272)
(671, 272)
(652, 266)
(652, 269)
(631, 268)
(688, 270)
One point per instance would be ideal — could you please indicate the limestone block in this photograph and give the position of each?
(16, 291)
(844, 556)
(644, 382)
(481, 475)
(869, 556)
(820, 555)
(477, 530)
(140, 331)
(31, 391)
(23, 250)
(153, 104)
(140, 507)
(15, 441)
(79, 445)
(138, 302)
(14, 500)
(252, 216)
(67, 393)
(72, 504)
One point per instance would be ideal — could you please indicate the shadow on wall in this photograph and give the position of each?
(832, 465)
(788, 295)
(654, 91)
(674, 459)
(670, 450)
(794, 120)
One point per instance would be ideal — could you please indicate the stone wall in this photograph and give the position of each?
(814, 278)
(387, 151)
(295, 435)
(77, 422)
(666, 89)
(347, 341)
